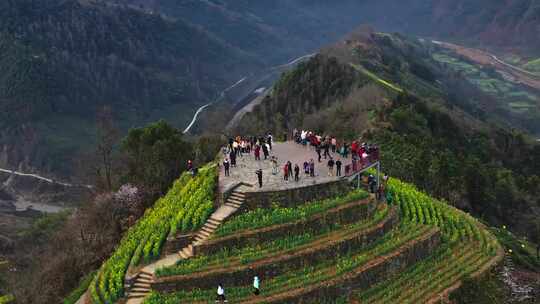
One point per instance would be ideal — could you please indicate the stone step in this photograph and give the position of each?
(211, 225)
(208, 229)
(238, 196)
(203, 233)
(141, 284)
(200, 239)
(144, 280)
(136, 295)
(233, 204)
(139, 290)
(183, 255)
(212, 220)
(186, 253)
(145, 274)
(235, 201)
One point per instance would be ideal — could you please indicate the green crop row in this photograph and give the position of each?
(267, 217)
(467, 245)
(302, 277)
(417, 207)
(223, 258)
(249, 254)
(185, 207)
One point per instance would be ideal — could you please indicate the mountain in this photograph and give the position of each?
(509, 24)
(64, 60)
(427, 120)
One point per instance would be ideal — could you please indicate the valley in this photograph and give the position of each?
(114, 117)
(484, 58)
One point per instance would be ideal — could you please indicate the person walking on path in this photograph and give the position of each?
(296, 173)
(286, 172)
(265, 150)
(333, 141)
(221, 294)
(312, 168)
(326, 150)
(259, 177)
(331, 167)
(257, 152)
(226, 166)
(256, 286)
(318, 150)
(338, 167)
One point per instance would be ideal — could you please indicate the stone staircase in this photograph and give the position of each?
(141, 287)
(142, 284)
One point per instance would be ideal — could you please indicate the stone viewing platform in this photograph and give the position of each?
(284, 151)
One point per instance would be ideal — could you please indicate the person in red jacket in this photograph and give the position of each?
(286, 172)
(354, 148)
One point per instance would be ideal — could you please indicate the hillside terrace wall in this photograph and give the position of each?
(296, 196)
(345, 214)
(242, 275)
(363, 278)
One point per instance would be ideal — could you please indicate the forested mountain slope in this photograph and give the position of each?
(429, 129)
(61, 61)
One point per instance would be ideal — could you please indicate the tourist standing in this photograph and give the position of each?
(265, 150)
(318, 150)
(286, 172)
(259, 177)
(257, 152)
(290, 170)
(269, 140)
(331, 167)
(274, 161)
(338, 167)
(256, 286)
(226, 166)
(221, 294)
(296, 173)
(333, 142)
(306, 168)
(312, 168)
(232, 156)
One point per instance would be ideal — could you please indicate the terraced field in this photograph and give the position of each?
(412, 251)
(469, 249)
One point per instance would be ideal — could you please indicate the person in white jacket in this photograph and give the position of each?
(221, 294)
(256, 286)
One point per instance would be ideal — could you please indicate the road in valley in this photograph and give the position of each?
(222, 94)
(45, 179)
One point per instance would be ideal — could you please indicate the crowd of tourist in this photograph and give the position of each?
(362, 154)
(340, 157)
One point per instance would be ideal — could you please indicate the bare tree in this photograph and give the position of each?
(107, 136)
